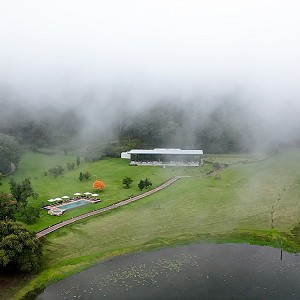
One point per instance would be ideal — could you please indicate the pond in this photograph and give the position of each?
(201, 271)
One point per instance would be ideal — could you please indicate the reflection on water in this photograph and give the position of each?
(203, 271)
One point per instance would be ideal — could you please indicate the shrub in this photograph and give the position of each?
(56, 170)
(70, 166)
(98, 185)
(127, 181)
(141, 184)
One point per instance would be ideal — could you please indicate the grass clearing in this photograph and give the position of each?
(237, 207)
(111, 171)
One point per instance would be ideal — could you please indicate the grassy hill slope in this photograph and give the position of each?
(235, 207)
(111, 171)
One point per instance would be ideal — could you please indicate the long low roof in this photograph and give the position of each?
(166, 151)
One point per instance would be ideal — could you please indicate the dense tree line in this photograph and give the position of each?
(48, 129)
(20, 250)
(163, 125)
(229, 127)
(15, 206)
(224, 126)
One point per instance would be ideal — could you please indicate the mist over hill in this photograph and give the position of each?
(228, 126)
(217, 75)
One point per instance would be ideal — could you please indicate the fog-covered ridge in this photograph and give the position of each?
(107, 63)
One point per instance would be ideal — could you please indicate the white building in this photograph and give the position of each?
(160, 156)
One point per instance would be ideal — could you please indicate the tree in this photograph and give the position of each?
(19, 247)
(21, 191)
(28, 214)
(98, 185)
(70, 166)
(34, 133)
(78, 160)
(93, 153)
(7, 207)
(56, 170)
(10, 152)
(34, 148)
(81, 177)
(127, 181)
(147, 183)
(86, 175)
(141, 185)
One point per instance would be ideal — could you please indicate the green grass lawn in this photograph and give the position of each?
(236, 206)
(110, 171)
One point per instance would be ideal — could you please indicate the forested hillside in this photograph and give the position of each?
(226, 126)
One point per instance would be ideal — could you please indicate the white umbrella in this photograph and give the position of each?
(57, 199)
(65, 197)
(87, 193)
(95, 195)
(51, 200)
(77, 194)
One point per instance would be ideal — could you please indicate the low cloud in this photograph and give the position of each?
(109, 57)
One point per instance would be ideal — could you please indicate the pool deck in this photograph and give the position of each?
(57, 207)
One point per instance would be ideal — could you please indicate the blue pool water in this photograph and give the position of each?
(73, 204)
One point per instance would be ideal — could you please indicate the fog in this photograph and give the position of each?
(104, 57)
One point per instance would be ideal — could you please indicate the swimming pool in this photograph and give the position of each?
(73, 204)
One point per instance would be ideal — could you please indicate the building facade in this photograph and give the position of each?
(160, 156)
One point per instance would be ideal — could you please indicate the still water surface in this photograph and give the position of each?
(202, 271)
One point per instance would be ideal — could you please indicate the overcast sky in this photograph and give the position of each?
(137, 48)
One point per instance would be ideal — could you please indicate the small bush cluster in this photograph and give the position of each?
(144, 184)
(70, 166)
(84, 175)
(56, 171)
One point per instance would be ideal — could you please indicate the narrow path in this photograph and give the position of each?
(107, 208)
